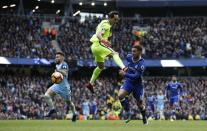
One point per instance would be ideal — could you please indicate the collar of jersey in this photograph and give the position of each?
(137, 60)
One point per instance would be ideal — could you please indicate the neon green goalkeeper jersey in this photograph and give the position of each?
(103, 27)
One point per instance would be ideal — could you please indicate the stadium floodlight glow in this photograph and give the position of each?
(105, 4)
(33, 10)
(76, 13)
(52, 1)
(93, 4)
(4, 7)
(37, 7)
(80, 3)
(12, 5)
(58, 11)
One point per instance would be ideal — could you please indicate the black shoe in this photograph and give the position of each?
(74, 117)
(50, 113)
(90, 87)
(145, 122)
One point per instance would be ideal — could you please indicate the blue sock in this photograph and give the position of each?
(172, 112)
(143, 111)
(125, 104)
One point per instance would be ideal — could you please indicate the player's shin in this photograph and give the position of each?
(173, 115)
(160, 114)
(48, 100)
(95, 74)
(125, 105)
(73, 108)
(118, 60)
(143, 112)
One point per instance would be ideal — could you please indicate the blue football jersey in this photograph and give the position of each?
(135, 69)
(150, 100)
(173, 89)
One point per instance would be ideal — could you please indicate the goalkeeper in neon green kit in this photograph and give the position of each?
(101, 47)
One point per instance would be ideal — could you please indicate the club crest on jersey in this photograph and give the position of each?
(64, 67)
(142, 67)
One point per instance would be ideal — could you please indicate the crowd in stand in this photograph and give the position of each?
(21, 98)
(165, 38)
(175, 37)
(21, 37)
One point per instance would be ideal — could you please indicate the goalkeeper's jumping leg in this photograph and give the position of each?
(100, 59)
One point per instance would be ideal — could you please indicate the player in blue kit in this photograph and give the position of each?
(151, 105)
(62, 89)
(133, 82)
(173, 90)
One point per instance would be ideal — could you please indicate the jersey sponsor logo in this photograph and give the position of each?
(174, 86)
(132, 69)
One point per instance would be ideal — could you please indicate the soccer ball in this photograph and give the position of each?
(56, 77)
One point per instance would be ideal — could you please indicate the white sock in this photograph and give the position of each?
(72, 106)
(48, 100)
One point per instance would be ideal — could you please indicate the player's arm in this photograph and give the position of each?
(100, 33)
(138, 73)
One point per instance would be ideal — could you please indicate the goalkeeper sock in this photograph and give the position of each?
(118, 61)
(48, 100)
(96, 73)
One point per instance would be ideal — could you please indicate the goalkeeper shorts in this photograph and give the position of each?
(100, 52)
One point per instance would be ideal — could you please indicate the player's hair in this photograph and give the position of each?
(138, 47)
(60, 53)
(112, 13)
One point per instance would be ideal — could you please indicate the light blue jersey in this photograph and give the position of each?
(63, 88)
(160, 102)
(86, 108)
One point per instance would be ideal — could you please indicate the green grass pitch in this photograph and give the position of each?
(64, 125)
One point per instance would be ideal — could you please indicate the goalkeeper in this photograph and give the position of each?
(101, 47)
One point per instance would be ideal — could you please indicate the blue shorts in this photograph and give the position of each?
(150, 107)
(63, 90)
(136, 89)
(174, 100)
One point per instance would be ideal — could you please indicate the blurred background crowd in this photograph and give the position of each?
(21, 98)
(173, 37)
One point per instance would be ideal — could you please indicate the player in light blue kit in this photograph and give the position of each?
(86, 109)
(173, 90)
(62, 89)
(160, 104)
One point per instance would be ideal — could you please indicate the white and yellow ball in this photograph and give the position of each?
(56, 77)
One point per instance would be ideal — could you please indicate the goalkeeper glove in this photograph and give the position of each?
(106, 43)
